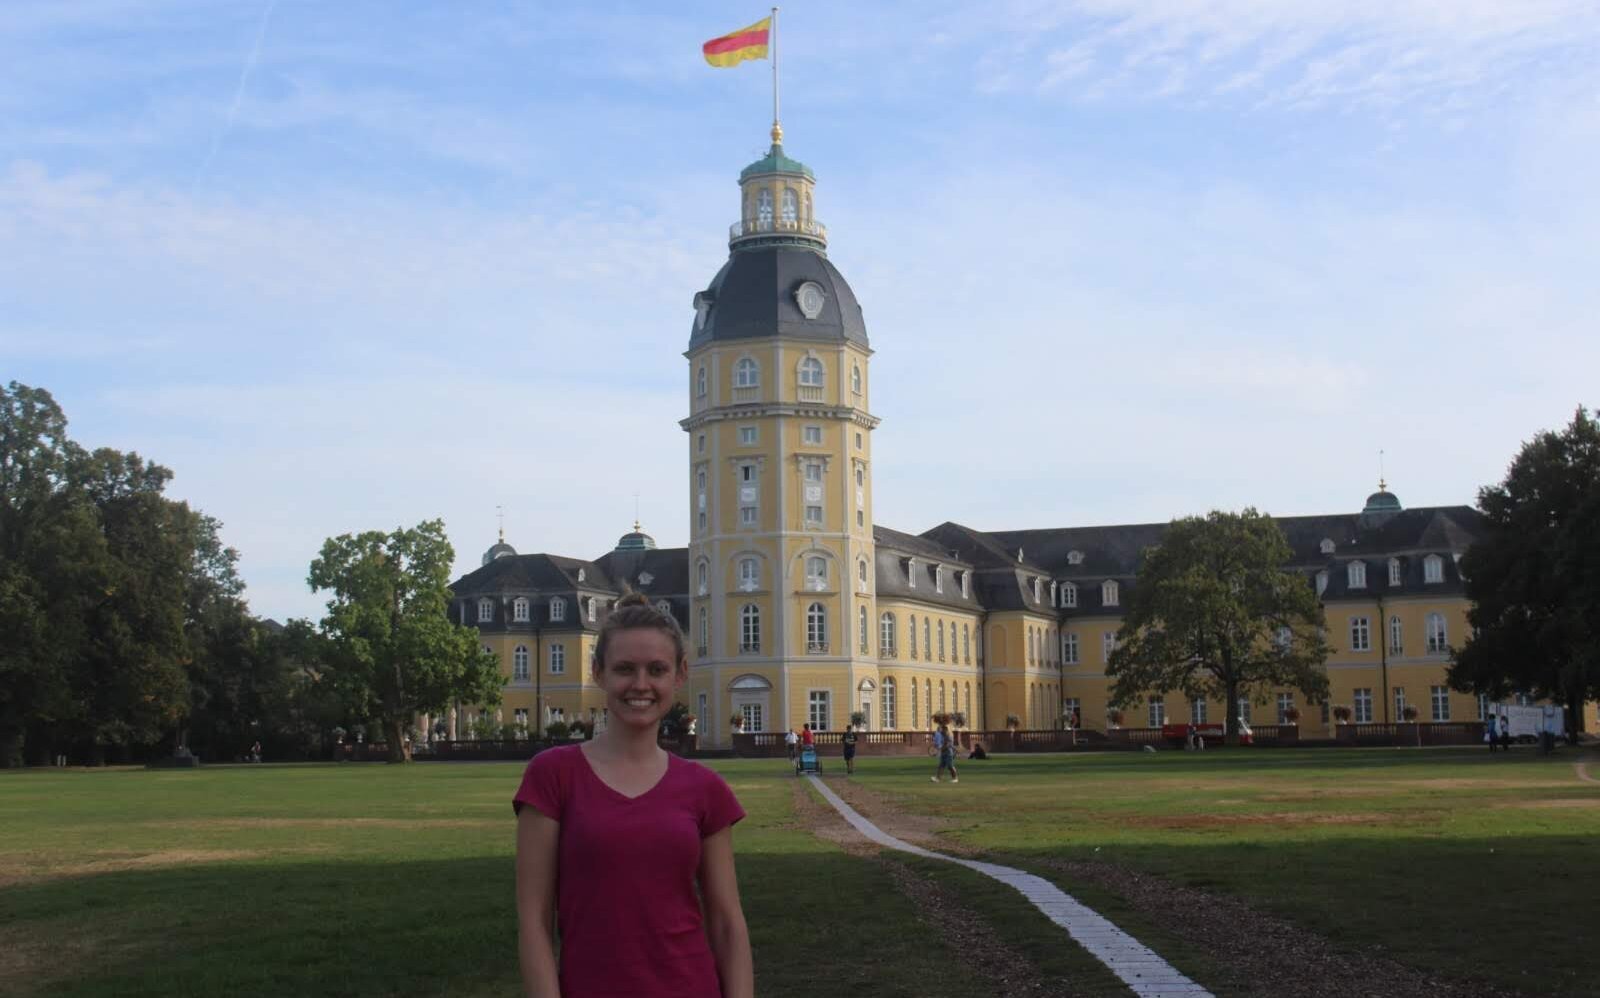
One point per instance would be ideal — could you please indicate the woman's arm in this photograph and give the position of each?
(537, 837)
(725, 926)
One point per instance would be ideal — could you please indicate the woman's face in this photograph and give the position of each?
(640, 676)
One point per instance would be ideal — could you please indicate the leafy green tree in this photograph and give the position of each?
(1534, 577)
(1215, 614)
(388, 643)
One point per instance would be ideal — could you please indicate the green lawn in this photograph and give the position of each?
(1477, 865)
(368, 880)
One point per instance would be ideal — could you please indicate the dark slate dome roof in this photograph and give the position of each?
(500, 550)
(1382, 501)
(752, 296)
(636, 540)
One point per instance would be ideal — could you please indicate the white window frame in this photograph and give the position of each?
(558, 610)
(1197, 711)
(1361, 709)
(1069, 595)
(1285, 703)
(911, 634)
(855, 379)
(1322, 583)
(819, 708)
(1110, 593)
(864, 625)
(747, 373)
(1360, 634)
(1438, 633)
(1356, 575)
(1433, 569)
(750, 629)
(749, 574)
(811, 436)
(816, 572)
(519, 664)
(702, 577)
(519, 610)
(1108, 644)
(811, 373)
(1397, 633)
(889, 707)
(592, 606)
(1157, 706)
(1069, 649)
(700, 382)
(703, 635)
(886, 634)
(749, 436)
(485, 610)
(1439, 697)
(1395, 577)
(558, 659)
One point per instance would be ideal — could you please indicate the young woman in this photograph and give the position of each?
(617, 836)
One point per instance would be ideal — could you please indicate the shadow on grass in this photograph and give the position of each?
(1507, 910)
(823, 923)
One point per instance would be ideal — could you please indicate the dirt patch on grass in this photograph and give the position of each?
(1559, 804)
(1200, 821)
(971, 937)
(120, 862)
(1584, 773)
(1258, 954)
(820, 819)
(918, 829)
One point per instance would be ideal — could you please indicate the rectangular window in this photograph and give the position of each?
(1285, 704)
(817, 710)
(703, 633)
(1441, 703)
(1069, 709)
(1158, 711)
(700, 520)
(751, 712)
(1399, 703)
(1197, 712)
(1360, 634)
(858, 441)
(1483, 706)
(1069, 649)
(700, 443)
(1358, 575)
(1436, 633)
(1363, 705)
(813, 471)
(558, 659)
(747, 516)
(888, 707)
(1394, 571)
(485, 611)
(747, 436)
(519, 717)
(813, 516)
(1108, 642)
(519, 610)
(1244, 709)
(1432, 569)
(812, 436)
(861, 518)
(1397, 634)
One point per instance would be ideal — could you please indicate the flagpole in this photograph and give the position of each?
(777, 129)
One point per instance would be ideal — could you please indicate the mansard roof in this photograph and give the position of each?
(896, 551)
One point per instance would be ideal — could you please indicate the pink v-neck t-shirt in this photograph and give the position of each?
(627, 908)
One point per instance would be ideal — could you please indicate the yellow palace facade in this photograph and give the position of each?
(799, 608)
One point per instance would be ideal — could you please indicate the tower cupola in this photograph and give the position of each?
(776, 208)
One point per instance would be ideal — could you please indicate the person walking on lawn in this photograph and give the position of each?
(849, 741)
(945, 746)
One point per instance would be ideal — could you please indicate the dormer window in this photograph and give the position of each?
(1110, 593)
(1327, 545)
(1074, 557)
(485, 610)
(1394, 572)
(1357, 575)
(911, 573)
(938, 578)
(664, 608)
(592, 608)
(558, 610)
(582, 575)
(1433, 568)
(1037, 589)
(519, 610)
(1322, 583)
(1069, 595)
(966, 585)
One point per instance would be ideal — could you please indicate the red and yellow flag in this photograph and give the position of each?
(737, 46)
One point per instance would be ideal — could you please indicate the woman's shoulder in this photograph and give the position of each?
(556, 759)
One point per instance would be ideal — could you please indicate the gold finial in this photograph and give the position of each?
(777, 133)
(500, 511)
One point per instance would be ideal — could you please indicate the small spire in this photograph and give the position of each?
(1382, 485)
(500, 511)
(777, 133)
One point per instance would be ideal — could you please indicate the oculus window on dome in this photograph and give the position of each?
(810, 298)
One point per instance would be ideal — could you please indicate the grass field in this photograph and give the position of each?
(368, 880)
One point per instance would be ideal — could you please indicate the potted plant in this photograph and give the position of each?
(958, 719)
(1341, 713)
(1292, 715)
(578, 730)
(1115, 715)
(859, 719)
(1013, 722)
(736, 722)
(557, 731)
(1410, 714)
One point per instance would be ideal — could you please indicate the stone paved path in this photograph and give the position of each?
(1136, 964)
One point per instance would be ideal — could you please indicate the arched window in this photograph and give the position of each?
(811, 375)
(941, 642)
(1397, 635)
(816, 628)
(927, 643)
(816, 572)
(703, 632)
(700, 383)
(791, 206)
(1437, 637)
(519, 664)
(916, 707)
(953, 642)
(764, 209)
(861, 572)
(927, 694)
(941, 696)
(966, 644)
(750, 628)
(911, 635)
(702, 577)
(592, 608)
(886, 635)
(749, 574)
(1327, 545)
(866, 631)
(519, 609)
(968, 710)
(855, 378)
(746, 374)
(558, 609)
(888, 704)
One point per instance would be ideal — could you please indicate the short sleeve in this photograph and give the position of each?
(721, 806)
(544, 784)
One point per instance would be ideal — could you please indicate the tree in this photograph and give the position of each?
(1216, 613)
(387, 642)
(1534, 577)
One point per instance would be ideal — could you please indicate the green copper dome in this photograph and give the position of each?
(775, 162)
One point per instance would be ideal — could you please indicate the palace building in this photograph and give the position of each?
(798, 607)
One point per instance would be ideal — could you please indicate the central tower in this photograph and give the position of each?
(780, 446)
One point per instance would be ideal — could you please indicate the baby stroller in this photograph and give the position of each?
(807, 761)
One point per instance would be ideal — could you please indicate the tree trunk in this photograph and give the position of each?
(1230, 709)
(399, 751)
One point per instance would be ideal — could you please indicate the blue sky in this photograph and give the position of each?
(349, 266)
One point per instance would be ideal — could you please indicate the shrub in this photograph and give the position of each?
(557, 731)
(958, 719)
(1410, 713)
(1342, 714)
(1115, 715)
(1292, 715)
(1013, 721)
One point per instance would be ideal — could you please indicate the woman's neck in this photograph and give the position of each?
(628, 743)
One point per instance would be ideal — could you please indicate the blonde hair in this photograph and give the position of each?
(632, 612)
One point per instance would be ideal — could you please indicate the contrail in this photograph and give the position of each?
(238, 91)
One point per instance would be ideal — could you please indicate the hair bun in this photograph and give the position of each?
(632, 599)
